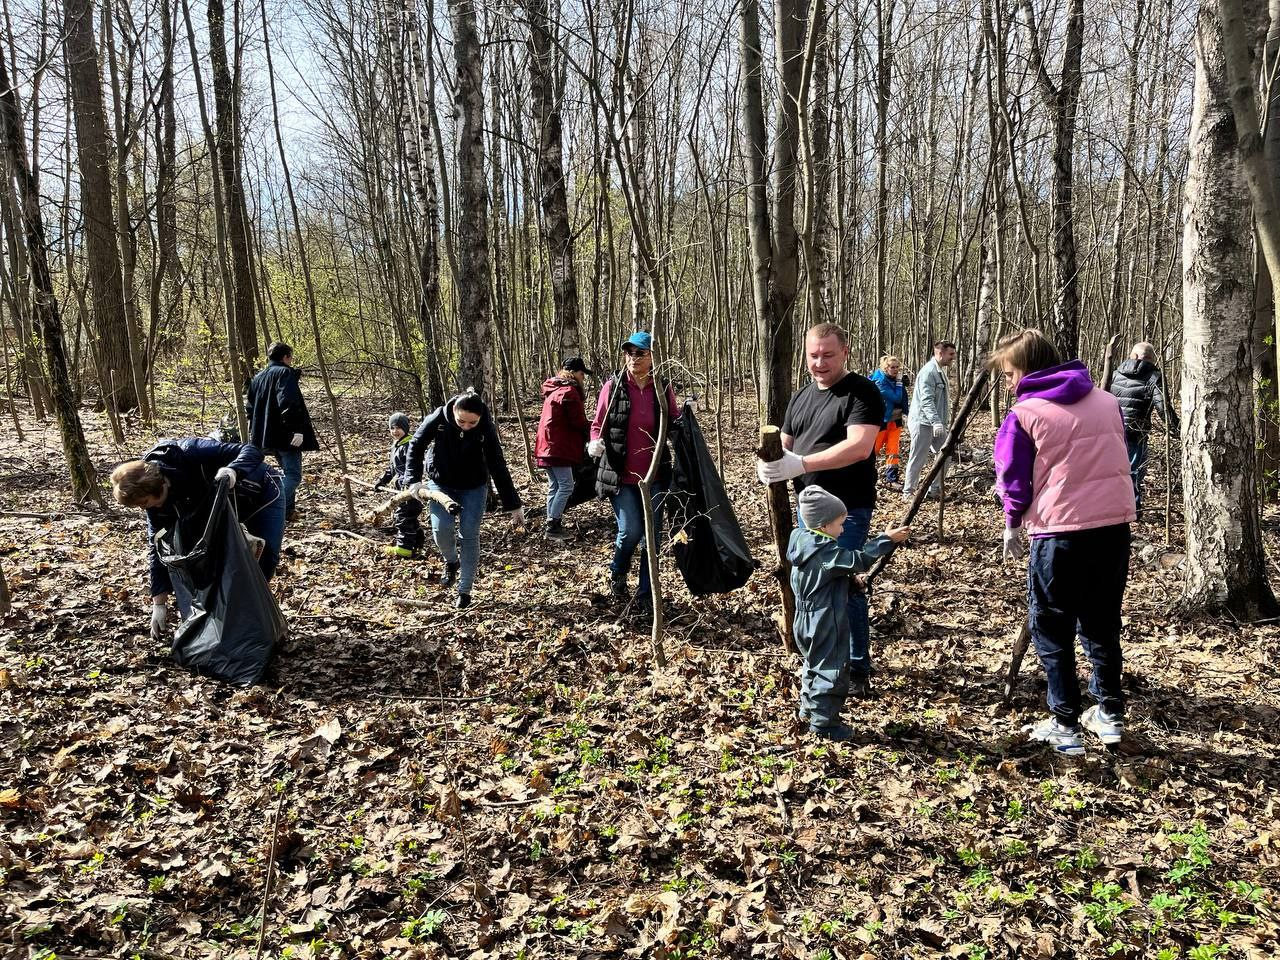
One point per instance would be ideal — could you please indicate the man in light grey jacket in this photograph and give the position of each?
(929, 416)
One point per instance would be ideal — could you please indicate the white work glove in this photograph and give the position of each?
(788, 468)
(595, 449)
(939, 433)
(227, 474)
(1015, 546)
(517, 516)
(296, 441)
(414, 488)
(159, 620)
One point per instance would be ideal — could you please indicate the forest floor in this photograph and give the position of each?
(519, 780)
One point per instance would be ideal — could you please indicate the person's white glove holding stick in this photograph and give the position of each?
(788, 467)
(595, 449)
(227, 474)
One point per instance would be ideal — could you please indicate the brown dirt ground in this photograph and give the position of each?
(520, 781)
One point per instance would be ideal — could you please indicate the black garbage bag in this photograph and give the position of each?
(710, 550)
(232, 624)
(584, 482)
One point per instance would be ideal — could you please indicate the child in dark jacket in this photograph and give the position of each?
(405, 518)
(820, 578)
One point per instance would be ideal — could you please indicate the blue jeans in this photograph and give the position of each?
(559, 491)
(447, 530)
(1075, 585)
(267, 522)
(1136, 443)
(291, 465)
(628, 510)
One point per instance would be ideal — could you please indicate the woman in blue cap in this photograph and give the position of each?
(623, 436)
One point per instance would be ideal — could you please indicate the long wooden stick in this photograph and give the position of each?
(958, 425)
(379, 514)
(778, 499)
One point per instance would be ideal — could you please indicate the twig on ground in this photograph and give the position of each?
(271, 871)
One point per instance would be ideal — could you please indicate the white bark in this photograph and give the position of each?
(1225, 567)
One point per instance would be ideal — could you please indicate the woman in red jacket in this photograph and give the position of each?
(562, 437)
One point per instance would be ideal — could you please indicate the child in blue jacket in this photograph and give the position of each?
(821, 572)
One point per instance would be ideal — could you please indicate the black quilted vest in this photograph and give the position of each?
(614, 462)
(1134, 386)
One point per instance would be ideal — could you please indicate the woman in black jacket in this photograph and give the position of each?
(465, 453)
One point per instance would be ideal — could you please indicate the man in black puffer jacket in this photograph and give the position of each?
(1139, 386)
(279, 423)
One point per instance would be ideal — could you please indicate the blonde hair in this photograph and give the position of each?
(1027, 350)
(820, 331)
(135, 481)
(889, 360)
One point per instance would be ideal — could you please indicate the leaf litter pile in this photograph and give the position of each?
(519, 780)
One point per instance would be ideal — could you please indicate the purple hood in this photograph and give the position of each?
(1066, 383)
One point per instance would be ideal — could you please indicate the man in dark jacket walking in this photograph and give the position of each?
(1139, 386)
(278, 420)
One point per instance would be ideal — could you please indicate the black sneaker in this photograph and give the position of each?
(837, 734)
(450, 575)
(555, 531)
(618, 590)
(462, 602)
(860, 686)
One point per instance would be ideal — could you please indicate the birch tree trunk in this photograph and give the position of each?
(475, 365)
(1225, 567)
(93, 150)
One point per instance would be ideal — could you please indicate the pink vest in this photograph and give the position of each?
(1081, 477)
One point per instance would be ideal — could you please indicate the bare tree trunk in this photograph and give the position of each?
(884, 88)
(235, 369)
(93, 148)
(475, 366)
(556, 233)
(76, 451)
(226, 97)
(305, 263)
(1062, 100)
(420, 154)
(773, 333)
(789, 34)
(1225, 566)
(124, 231)
(1264, 302)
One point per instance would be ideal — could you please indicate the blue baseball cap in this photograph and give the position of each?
(641, 339)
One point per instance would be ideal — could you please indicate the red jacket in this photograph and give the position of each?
(563, 426)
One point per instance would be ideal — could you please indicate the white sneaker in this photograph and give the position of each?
(1064, 740)
(1107, 728)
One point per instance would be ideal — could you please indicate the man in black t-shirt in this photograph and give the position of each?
(828, 438)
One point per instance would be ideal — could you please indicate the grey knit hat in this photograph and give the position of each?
(400, 420)
(818, 508)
